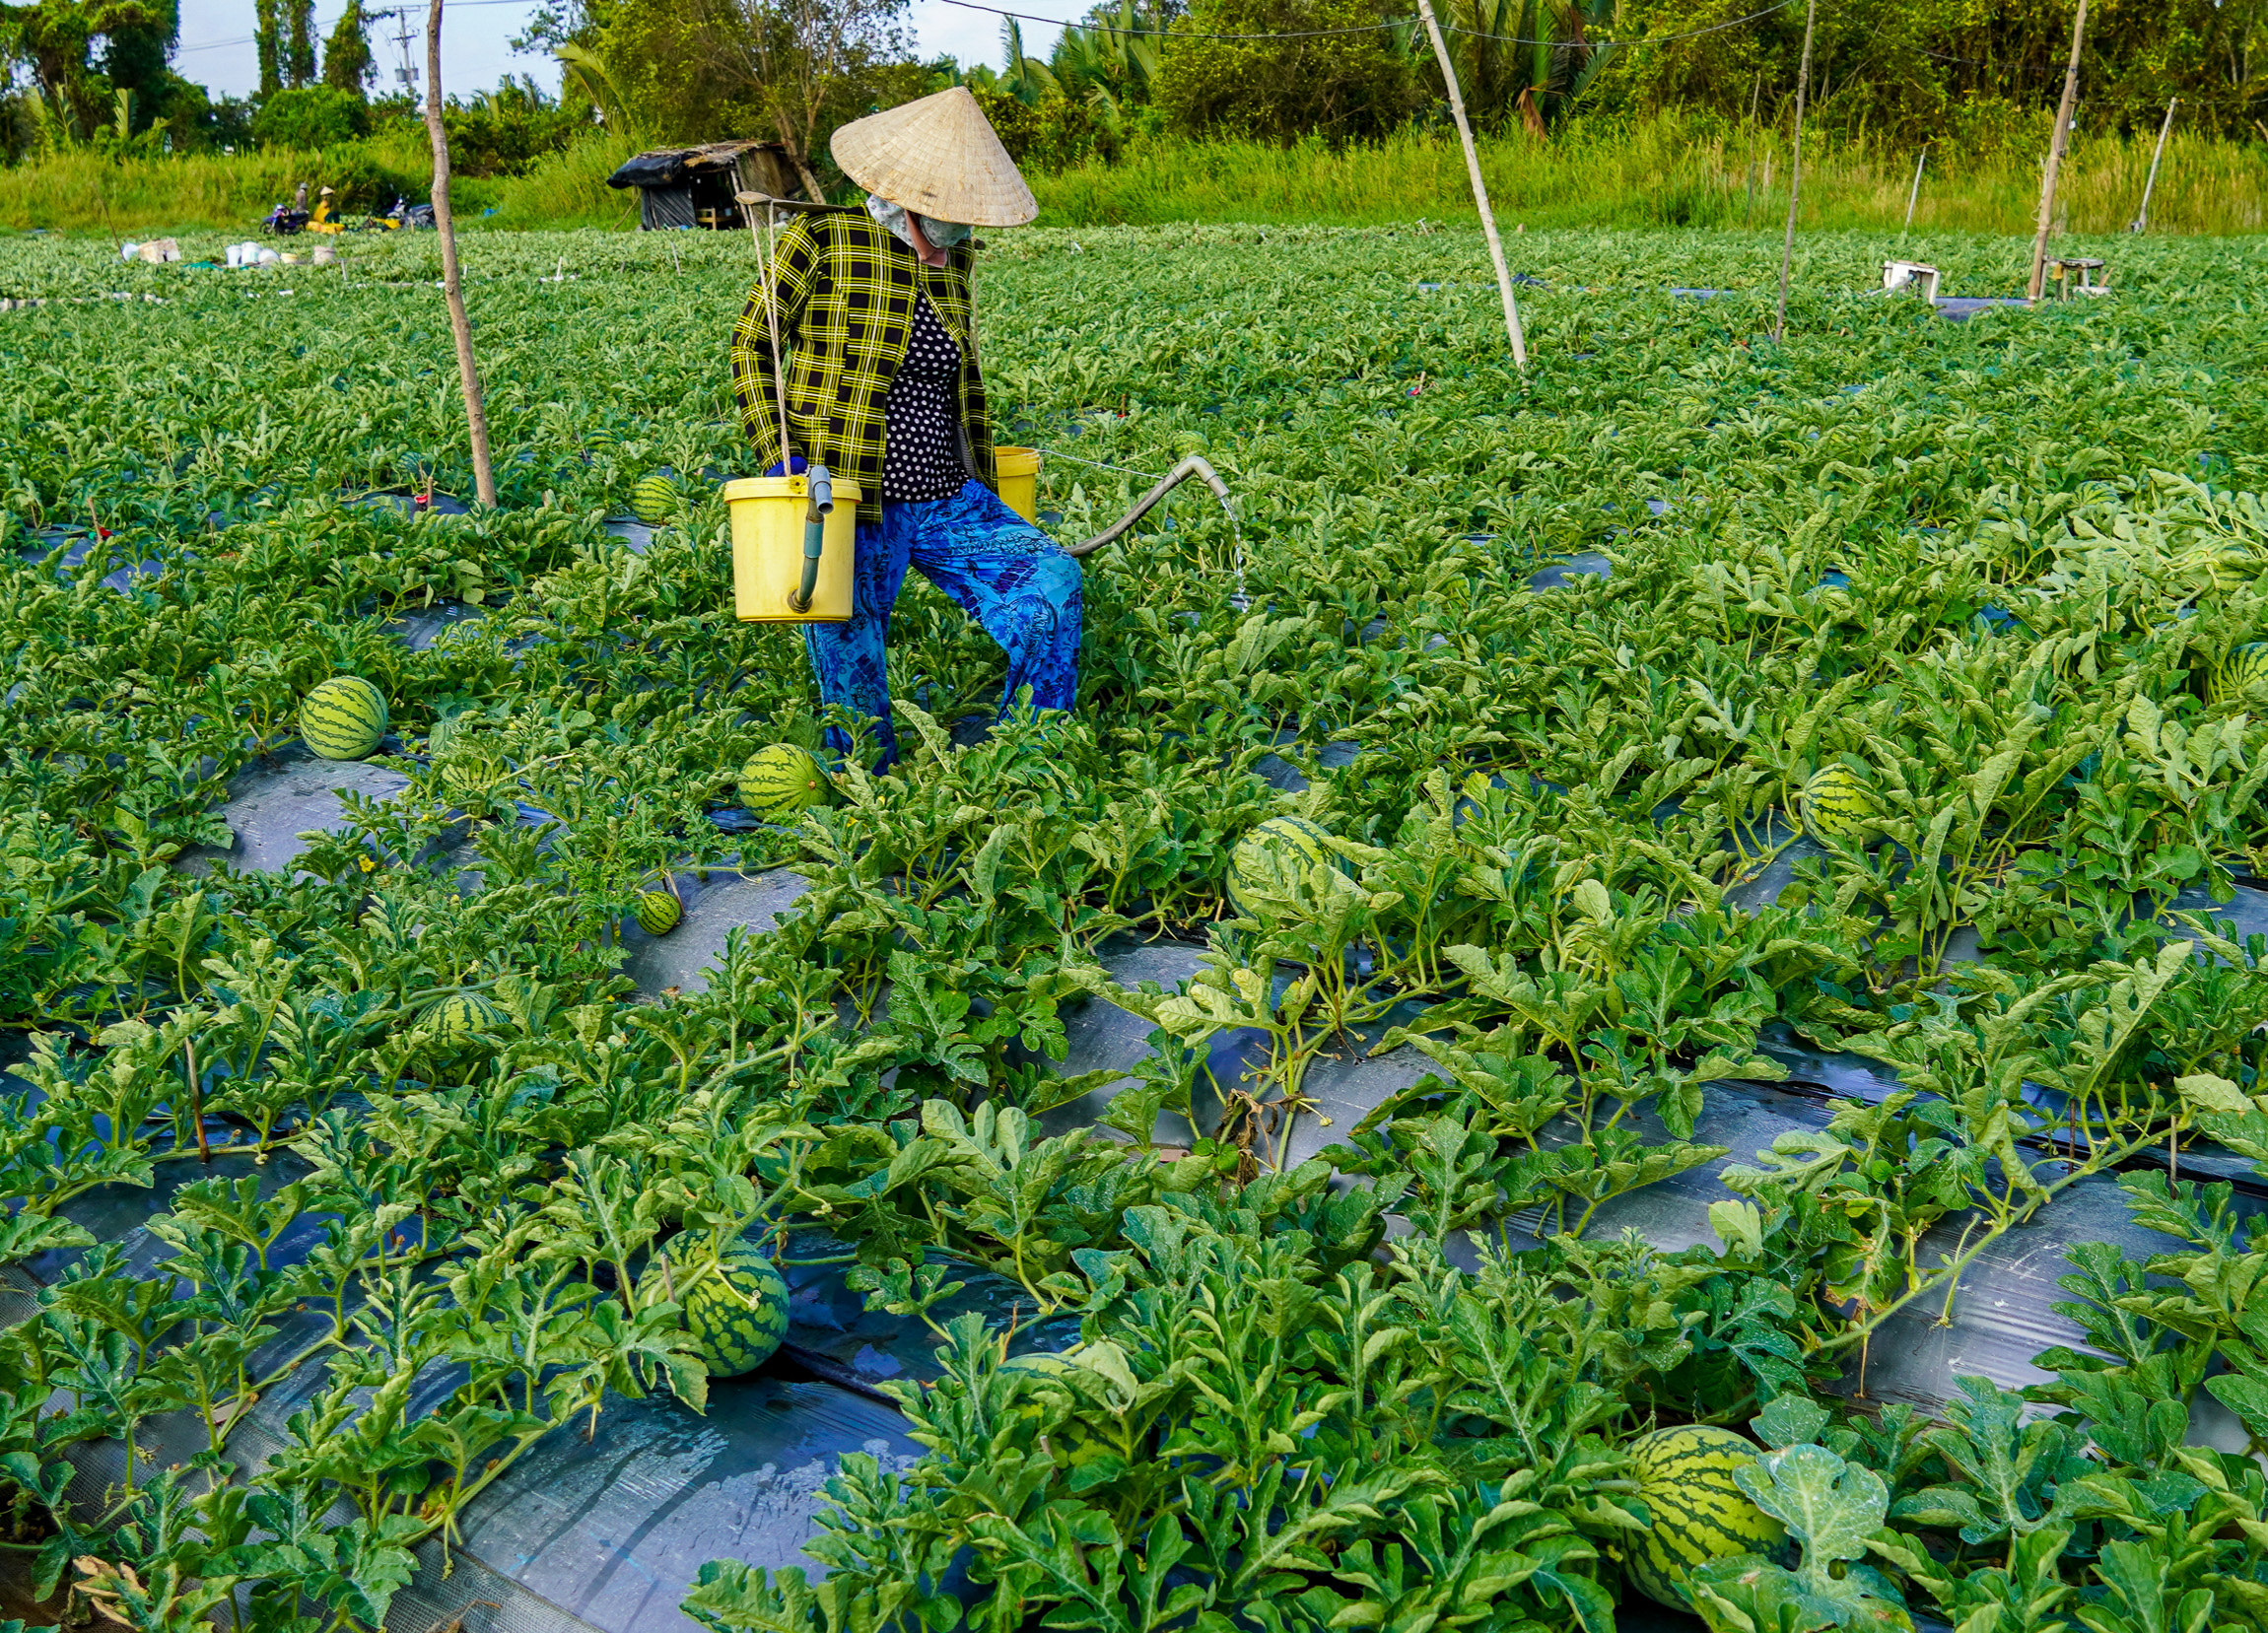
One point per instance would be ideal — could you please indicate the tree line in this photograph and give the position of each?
(1896, 71)
(1893, 71)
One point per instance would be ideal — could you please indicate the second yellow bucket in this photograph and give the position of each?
(1019, 473)
(768, 514)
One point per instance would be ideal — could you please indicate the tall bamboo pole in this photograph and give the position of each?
(452, 283)
(1480, 187)
(2055, 157)
(2141, 222)
(1795, 170)
(1914, 196)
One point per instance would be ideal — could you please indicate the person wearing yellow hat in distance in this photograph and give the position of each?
(883, 387)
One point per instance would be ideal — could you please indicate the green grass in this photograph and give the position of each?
(1666, 172)
(1661, 175)
(83, 192)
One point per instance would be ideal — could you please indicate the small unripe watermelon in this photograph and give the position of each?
(781, 782)
(343, 718)
(2240, 668)
(1699, 1510)
(656, 499)
(658, 911)
(1836, 804)
(736, 1310)
(462, 1014)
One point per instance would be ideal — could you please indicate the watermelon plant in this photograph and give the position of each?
(1617, 899)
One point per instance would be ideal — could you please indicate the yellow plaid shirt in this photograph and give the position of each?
(846, 292)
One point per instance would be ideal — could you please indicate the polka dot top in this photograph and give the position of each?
(921, 455)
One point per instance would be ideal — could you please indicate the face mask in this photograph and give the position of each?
(944, 235)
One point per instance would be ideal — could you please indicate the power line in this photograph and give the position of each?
(1642, 39)
(1364, 28)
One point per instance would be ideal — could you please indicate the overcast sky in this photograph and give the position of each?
(216, 41)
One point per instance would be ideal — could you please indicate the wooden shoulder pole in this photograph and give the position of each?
(1795, 173)
(1480, 187)
(2055, 158)
(452, 283)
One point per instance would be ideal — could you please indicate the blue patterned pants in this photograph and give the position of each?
(1001, 571)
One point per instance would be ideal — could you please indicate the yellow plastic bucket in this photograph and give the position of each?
(768, 514)
(1018, 471)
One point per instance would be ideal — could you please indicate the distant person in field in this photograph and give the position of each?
(883, 389)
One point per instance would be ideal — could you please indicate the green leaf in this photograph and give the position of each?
(1828, 1505)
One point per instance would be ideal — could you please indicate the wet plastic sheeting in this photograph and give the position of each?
(2002, 1313)
(423, 628)
(601, 1531)
(1285, 777)
(1101, 1035)
(714, 908)
(1343, 1090)
(1764, 887)
(612, 1529)
(2244, 916)
(78, 544)
(832, 1332)
(1856, 1078)
(274, 801)
(635, 535)
(1583, 564)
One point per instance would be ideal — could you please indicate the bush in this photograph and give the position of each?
(366, 183)
(1342, 88)
(311, 117)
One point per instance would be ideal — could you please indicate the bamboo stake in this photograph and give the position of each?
(1795, 170)
(2141, 222)
(1913, 197)
(2055, 158)
(451, 279)
(1480, 187)
(1755, 100)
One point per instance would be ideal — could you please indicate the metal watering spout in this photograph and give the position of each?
(1193, 465)
(815, 515)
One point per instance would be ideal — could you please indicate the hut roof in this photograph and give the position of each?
(674, 167)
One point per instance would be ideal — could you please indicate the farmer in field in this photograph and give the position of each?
(883, 389)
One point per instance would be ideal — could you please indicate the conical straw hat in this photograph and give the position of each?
(938, 158)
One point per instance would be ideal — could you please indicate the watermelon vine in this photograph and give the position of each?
(1688, 715)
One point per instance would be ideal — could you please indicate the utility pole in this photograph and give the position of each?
(2055, 158)
(453, 283)
(1795, 169)
(406, 75)
(1480, 187)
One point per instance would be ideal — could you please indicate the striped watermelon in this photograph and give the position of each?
(735, 1308)
(343, 718)
(1699, 1510)
(658, 911)
(1255, 866)
(2244, 666)
(656, 499)
(781, 782)
(462, 1014)
(1836, 804)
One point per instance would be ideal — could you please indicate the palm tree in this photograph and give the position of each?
(1533, 59)
(1108, 62)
